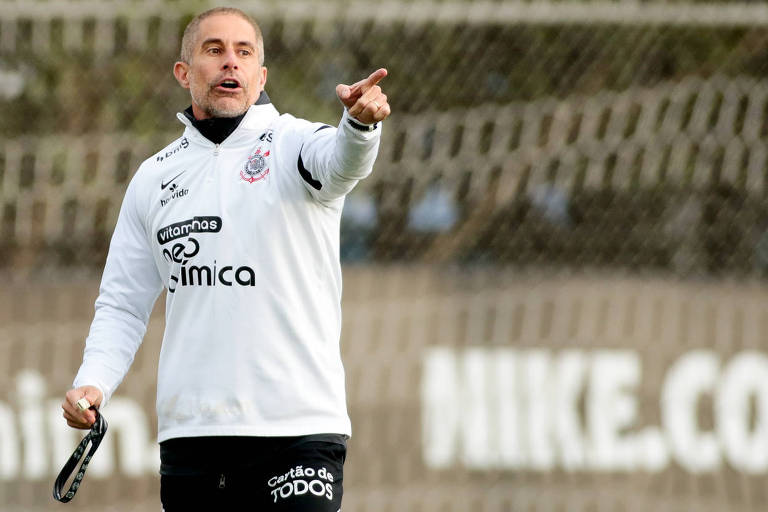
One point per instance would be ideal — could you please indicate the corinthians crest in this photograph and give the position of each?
(255, 168)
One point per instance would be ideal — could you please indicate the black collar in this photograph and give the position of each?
(217, 129)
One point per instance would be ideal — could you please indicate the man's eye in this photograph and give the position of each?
(245, 53)
(213, 50)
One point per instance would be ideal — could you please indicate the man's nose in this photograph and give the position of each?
(230, 59)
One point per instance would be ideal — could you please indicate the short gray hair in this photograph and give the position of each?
(189, 39)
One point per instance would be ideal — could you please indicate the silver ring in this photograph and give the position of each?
(377, 105)
(83, 404)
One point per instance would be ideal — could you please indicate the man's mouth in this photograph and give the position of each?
(229, 84)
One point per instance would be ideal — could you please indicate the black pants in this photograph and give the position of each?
(301, 474)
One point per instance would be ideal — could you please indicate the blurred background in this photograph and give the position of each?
(554, 282)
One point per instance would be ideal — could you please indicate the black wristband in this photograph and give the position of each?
(361, 127)
(96, 434)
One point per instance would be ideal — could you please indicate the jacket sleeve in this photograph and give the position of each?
(332, 161)
(129, 287)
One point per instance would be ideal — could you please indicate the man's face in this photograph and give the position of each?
(224, 76)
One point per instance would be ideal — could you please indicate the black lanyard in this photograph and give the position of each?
(98, 429)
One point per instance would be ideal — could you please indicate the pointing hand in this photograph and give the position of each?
(364, 99)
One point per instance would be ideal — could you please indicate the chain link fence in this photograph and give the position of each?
(629, 145)
(574, 178)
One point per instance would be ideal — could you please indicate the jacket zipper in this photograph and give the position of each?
(211, 176)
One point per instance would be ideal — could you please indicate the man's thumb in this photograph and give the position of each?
(342, 91)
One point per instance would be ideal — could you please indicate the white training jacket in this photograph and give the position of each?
(245, 237)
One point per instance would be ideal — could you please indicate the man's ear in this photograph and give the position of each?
(181, 72)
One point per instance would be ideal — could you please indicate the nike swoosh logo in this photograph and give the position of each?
(163, 185)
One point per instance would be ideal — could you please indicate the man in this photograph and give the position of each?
(239, 220)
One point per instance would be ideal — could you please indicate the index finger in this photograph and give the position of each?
(369, 82)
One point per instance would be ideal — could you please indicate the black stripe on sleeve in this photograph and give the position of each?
(322, 128)
(306, 175)
(361, 127)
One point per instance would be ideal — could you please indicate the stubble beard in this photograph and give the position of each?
(208, 100)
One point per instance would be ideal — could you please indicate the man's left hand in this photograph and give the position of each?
(364, 99)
